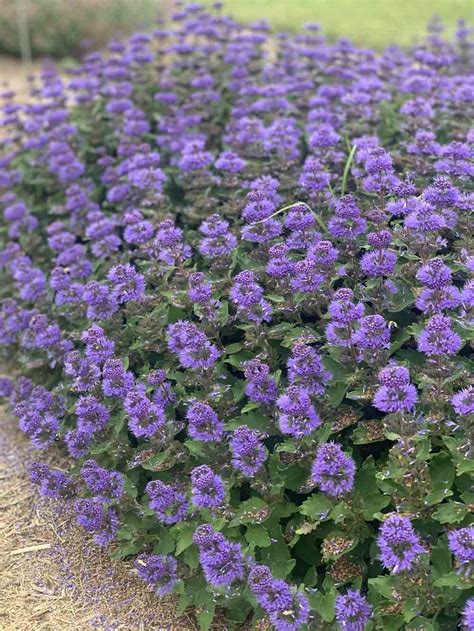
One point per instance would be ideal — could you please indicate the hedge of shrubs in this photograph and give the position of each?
(63, 28)
(236, 288)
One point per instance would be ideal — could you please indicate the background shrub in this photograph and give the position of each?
(236, 289)
(60, 28)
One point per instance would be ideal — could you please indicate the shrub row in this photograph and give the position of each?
(236, 289)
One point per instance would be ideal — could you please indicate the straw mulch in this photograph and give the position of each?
(52, 576)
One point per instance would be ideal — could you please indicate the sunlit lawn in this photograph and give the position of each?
(367, 22)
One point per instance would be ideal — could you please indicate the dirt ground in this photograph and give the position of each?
(14, 73)
(52, 577)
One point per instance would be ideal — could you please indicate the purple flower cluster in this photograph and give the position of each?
(353, 611)
(158, 571)
(399, 544)
(169, 504)
(333, 471)
(221, 560)
(51, 482)
(260, 387)
(396, 393)
(287, 610)
(254, 246)
(191, 346)
(461, 544)
(207, 488)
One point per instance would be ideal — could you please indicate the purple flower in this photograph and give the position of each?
(145, 417)
(95, 517)
(307, 277)
(78, 442)
(468, 615)
(117, 381)
(207, 488)
(298, 416)
(347, 222)
(373, 333)
(42, 426)
(220, 559)
(230, 162)
(352, 611)
(218, 240)
(138, 232)
(260, 387)
(279, 264)
(437, 338)
(313, 178)
(158, 571)
(98, 346)
(287, 609)
(433, 301)
(463, 401)
(170, 505)
(399, 544)
(100, 302)
(6, 386)
(396, 394)
(51, 482)
(203, 422)
(247, 296)
(192, 346)
(248, 452)
(461, 544)
(92, 415)
(342, 308)
(127, 283)
(102, 482)
(332, 471)
(434, 274)
(305, 368)
(380, 262)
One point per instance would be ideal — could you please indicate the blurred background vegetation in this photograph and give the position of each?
(64, 28)
(371, 23)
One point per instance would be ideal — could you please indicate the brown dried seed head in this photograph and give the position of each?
(334, 546)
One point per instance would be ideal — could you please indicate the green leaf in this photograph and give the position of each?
(184, 537)
(323, 603)
(420, 623)
(166, 543)
(336, 393)
(442, 477)
(205, 614)
(254, 510)
(450, 580)
(441, 558)
(383, 585)
(392, 623)
(410, 609)
(366, 485)
(254, 420)
(250, 406)
(317, 507)
(130, 488)
(451, 513)
(465, 466)
(132, 547)
(195, 447)
(159, 462)
(258, 536)
(337, 370)
(194, 586)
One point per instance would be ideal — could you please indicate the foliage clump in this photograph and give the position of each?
(236, 289)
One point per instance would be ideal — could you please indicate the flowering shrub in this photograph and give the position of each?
(236, 290)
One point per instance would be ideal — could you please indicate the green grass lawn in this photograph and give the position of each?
(368, 22)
